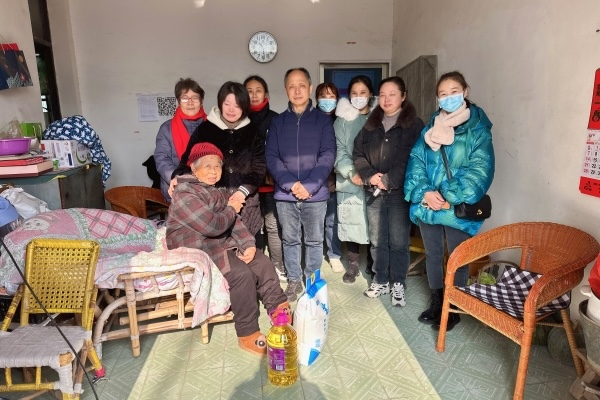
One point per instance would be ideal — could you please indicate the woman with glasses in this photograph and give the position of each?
(229, 128)
(173, 136)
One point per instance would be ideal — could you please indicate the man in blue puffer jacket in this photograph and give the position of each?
(300, 152)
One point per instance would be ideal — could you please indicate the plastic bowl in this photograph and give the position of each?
(14, 147)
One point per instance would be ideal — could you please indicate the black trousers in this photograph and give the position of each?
(248, 283)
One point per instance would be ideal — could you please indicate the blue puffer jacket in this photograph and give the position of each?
(301, 149)
(471, 159)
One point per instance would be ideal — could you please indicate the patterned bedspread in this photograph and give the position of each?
(127, 244)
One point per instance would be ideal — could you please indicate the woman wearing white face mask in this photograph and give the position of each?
(352, 215)
(465, 132)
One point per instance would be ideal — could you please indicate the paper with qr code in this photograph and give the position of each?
(155, 107)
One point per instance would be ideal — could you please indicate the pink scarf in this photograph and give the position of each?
(442, 131)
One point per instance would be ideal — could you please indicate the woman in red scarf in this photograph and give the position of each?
(261, 116)
(173, 136)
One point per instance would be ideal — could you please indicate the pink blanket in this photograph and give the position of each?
(127, 244)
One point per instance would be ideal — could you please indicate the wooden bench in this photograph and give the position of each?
(144, 307)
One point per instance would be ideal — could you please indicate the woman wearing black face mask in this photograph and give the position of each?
(464, 131)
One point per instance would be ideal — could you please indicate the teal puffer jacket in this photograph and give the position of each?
(471, 159)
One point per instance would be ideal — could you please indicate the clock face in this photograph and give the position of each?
(262, 47)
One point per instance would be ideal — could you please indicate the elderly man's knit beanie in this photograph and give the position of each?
(203, 149)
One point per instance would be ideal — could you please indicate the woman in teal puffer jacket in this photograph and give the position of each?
(465, 132)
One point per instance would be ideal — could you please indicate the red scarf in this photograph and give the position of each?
(260, 106)
(179, 132)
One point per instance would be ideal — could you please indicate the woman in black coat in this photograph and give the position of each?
(229, 128)
(261, 116)
(381, 152)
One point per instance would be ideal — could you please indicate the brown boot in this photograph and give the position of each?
(255, 343)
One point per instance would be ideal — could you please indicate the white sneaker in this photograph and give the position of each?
(398, 295)
(377, 289)
(281, 274)
(336, 265)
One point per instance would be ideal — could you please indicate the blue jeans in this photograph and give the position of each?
(296, 217)
(389, 233)
(433, 239)
(331, 226)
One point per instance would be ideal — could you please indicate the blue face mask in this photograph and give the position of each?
(327, 105)
(451, 103)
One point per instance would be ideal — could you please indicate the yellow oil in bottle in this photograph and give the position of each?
(282, 352)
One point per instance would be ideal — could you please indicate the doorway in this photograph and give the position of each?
(340, 74)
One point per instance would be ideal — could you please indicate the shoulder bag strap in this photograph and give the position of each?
(445, 158)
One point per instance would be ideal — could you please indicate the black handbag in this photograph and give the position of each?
(478, 211)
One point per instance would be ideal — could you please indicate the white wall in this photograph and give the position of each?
(15, 27)
(140, 46)
(530, 65)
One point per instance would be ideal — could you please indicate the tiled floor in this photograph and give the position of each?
(373, 351)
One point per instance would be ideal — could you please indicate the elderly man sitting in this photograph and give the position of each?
(202, 216)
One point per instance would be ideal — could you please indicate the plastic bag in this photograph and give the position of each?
(311, 319)
(11, 130)
(27, 206)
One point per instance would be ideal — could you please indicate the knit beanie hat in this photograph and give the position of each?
(203, 149)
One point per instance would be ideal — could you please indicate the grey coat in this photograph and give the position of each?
(165, 155)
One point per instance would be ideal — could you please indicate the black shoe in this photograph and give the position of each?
(434, 312)
(351, 273)
(453, 319)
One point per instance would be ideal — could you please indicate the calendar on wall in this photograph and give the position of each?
(589, 182)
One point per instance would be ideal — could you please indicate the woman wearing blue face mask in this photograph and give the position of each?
(327, 95)
(465, 132)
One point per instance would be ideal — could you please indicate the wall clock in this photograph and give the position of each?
(262, 47)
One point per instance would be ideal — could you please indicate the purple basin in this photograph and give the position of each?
(14, 147)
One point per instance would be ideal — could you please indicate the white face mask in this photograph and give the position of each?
(359, 102)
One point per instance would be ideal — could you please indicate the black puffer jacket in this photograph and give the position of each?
(387, 152)
(244, 163)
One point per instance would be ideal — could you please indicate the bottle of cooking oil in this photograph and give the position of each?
(282, 352)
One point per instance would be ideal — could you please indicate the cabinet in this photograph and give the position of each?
(76, 187)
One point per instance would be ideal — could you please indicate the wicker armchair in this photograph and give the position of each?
(138, 201)
(61, 274)
(559, 253)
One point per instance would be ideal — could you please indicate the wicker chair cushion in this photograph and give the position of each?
(511, 291)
